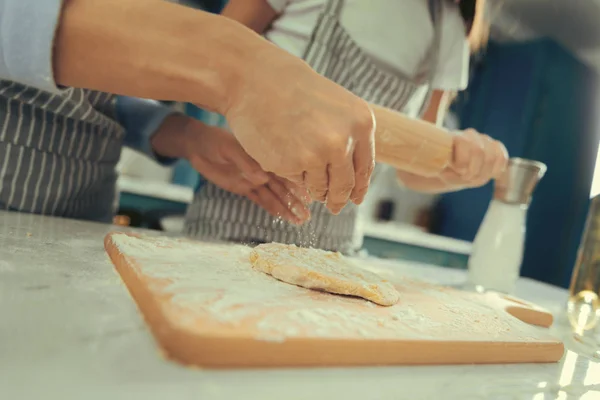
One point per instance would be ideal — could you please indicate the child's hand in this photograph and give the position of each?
(217, 155)
(476, 160)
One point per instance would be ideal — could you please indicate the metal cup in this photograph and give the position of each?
(517, 183)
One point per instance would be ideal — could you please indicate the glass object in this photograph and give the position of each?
(495, 262)
(583, 307)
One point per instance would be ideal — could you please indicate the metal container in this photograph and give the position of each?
(519, 180)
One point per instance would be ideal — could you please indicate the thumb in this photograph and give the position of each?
(461, 153)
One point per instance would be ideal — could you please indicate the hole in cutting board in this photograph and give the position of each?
(526, 313)
(517, 301)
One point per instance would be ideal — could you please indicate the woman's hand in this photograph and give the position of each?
(305, 128)
(217, 155)
(477, 158)
(291, 120)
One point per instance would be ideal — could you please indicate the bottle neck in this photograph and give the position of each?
(511, 198)
(502, 209)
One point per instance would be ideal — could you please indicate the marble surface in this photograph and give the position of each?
(69, 330)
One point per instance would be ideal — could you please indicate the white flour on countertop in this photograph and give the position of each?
(216, 282)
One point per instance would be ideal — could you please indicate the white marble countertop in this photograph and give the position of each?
(69, 330)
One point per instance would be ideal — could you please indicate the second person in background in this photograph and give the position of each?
(405, 55)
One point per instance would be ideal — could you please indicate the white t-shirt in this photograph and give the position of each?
(395, 33)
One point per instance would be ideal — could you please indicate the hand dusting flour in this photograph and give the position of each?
(208, 287)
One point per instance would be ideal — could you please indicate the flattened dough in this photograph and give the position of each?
(323, 270)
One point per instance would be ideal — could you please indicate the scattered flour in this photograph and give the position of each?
(213, 286)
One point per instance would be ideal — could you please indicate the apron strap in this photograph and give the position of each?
(436, 11)
(334, 8)
(429, 65)
(324, 28)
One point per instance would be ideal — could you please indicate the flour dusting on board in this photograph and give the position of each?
(213, 286)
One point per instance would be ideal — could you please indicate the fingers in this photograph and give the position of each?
(501, 159)
(298, 181)
(317, 182)
(489, 160)
(477, 158)
(229, 179)
(461, 155)
(469, 154)
(265, 197)
(341, 185)
(495, 158)
(298, 191)
(453, 179)
(363, 162)
(248, 167)
(279, 200)
(296, 210)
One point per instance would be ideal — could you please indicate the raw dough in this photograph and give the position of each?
(322, 270)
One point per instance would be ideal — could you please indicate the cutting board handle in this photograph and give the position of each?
(522, 310)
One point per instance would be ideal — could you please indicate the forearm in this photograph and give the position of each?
(152, 49)
(421, 184)
(175, 135)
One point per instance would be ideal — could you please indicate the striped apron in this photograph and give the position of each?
(221, 215)
(58, 153)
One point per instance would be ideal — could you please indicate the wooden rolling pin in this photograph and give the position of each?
(410, 144)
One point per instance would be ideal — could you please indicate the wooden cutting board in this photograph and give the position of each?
(207, 306)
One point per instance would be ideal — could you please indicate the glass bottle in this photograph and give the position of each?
(495, 262)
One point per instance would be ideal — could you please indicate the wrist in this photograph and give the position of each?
(238, 56)
(256, 59)
(173, 138)
(245, 56)
(229, 56)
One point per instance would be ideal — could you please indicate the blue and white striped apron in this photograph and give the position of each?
(58, 153)
(218, 214)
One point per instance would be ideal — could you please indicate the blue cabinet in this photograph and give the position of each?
(542, 103)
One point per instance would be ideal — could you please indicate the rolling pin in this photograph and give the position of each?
(410, 144)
